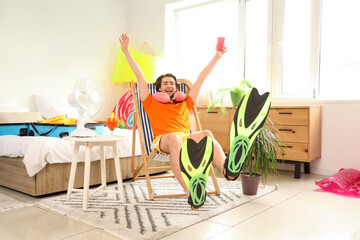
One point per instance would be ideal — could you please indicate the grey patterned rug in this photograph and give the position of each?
(140, 218)
(8, 203)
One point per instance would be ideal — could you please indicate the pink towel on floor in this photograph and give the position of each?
(346, 181)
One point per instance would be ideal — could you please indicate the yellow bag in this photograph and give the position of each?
(149, 65)
(61, 119)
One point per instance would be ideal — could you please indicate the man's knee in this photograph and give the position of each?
(170, 142)
(172, 139)
(197, 136)
(207, 133)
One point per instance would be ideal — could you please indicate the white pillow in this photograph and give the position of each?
(51, 106)
(13, 104)
(19, 117)
(11, 109)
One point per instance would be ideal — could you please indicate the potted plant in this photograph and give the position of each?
(263, 154)
(236, 94)
(261, 159)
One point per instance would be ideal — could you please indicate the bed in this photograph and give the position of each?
(41, 165)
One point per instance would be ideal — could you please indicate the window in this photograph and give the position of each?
(340, 50)
(256, 43)
(296, 75)
(295, 49)
(194, 36)
(294, 57)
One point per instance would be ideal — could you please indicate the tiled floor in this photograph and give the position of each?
(297, 210)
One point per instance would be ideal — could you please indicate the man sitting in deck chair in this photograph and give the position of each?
(190, 154)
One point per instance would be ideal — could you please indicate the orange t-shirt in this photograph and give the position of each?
(166, 118)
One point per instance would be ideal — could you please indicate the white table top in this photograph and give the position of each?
(99, 138)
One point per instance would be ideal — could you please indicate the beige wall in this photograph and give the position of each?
(146, 23)
(341, 137)
(47, 45)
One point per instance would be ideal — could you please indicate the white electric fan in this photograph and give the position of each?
(88, 98)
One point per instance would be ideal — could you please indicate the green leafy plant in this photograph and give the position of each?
(236, 94)
(263, 156)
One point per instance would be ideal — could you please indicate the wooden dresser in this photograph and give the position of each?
(298, 127)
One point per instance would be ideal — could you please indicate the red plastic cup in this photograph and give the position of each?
(220, 43)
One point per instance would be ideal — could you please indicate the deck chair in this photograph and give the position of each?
(141, 122)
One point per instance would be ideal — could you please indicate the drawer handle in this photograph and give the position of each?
(286, 130)
(213, 112)
(288, 113)
(286, 146)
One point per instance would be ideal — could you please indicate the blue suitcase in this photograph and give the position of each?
(62, 130)
(20, 129)
(49, 130)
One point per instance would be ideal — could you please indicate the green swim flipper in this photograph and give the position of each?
(195, 160)
(249, 118)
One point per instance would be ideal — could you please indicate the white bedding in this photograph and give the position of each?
(39, 151)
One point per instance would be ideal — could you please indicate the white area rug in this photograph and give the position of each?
(140, 218)
(8, 203)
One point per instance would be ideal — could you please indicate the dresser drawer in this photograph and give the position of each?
(295, 151)
(223, 140)
(297, 134)
(218, 124)
(298, 127)
(214, 119)
(289, 116)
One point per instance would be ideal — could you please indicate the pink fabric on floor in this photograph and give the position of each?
(345, 182)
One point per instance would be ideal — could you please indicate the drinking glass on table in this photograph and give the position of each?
(111, 123)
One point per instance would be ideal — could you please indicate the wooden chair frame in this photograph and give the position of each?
(146, 158)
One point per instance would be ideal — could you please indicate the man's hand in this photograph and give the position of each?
(195, 89)
(124, 41)
(221, 53)
(144, 90)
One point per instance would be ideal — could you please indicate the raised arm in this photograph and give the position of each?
(143, 87)
(195, 89)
